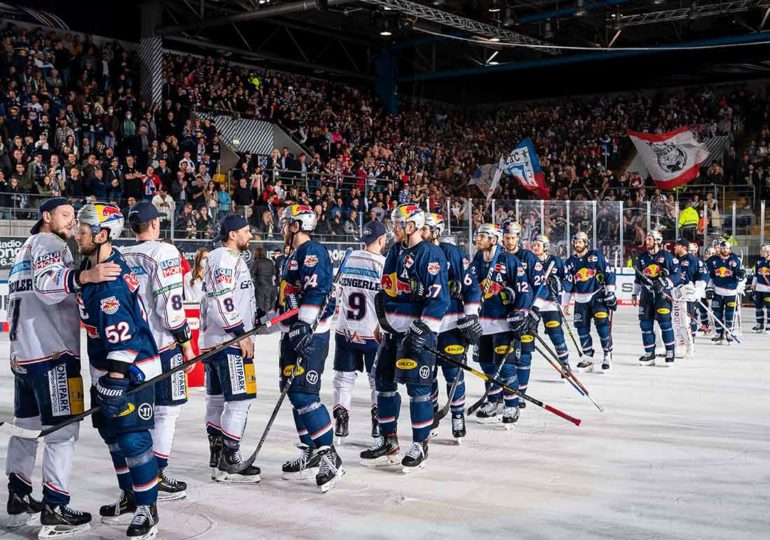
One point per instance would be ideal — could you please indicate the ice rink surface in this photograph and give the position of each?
(681, 452)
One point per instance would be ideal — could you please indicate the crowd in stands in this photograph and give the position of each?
(72, 124)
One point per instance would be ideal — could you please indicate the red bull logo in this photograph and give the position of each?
(394, 286)
(584, 274)
(492, 288)
(723, 272)
(286, 289)
(764, 271)
(652, 271)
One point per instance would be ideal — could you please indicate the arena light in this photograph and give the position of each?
(509, 20)
(494, 6)
(581, 10)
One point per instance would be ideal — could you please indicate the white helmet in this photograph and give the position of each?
(102, 216)
(435, 222)
(300, 213)
(765, 251)
(491, 230)
(657, 237)
(693, 248)
(545, 241)
(511, 226)
(583, 237)
(408, 213)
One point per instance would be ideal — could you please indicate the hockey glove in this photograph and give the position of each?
(300, 338)
(455, 289)
(470, 328)
(507, 296)
(111, 395)
(417, 289)
(555, 286)
(740, 273)
(610, 300)
(532, 321)
(416, 337)
(517, 322)
(663, 273)
(710, 293)
(661, 284)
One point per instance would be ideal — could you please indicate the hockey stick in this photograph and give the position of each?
(287, 385)
(716, 319)
(445, 409)
(15, 431)
(497, 382)
(511, 346)
(571, 377)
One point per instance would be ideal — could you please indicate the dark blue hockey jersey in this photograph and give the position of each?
(507, 273)
(115, 323)
(307, 273)
(423, 266)
(545, 300)
(466, 302)
(528, 262)
(651, 266)
(722, 273)
(693, 270)
(585, 275)
(761, 280)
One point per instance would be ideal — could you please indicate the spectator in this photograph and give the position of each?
(262, 273)
(225, 204)
(151, 183)
(204, 224)
(166, 207)
(185, 222)
(242, 196)
(97, 186)
(193, 282)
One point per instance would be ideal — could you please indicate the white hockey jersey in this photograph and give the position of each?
(228, 301)
(43, 313)
(158, 268)
(359, 282)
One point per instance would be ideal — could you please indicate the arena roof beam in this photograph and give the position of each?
(272, 11)
(451, 20)
(694, 11)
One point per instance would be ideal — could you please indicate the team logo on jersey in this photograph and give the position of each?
(47, 260)
(312, 377)
(592, 258)
(491, 288)
(406, 363)
(732, 263)
(501, 349)
(552, 324)
(131, 281)
(520, 271)
(311, 261)
(454, 349)
(408, 261)
(293, 265)
(764, 271)
(394, 286)
(170, 267)
(500, 268)
(584, 274)
(223, 275)
(110, 305)
(466, 263)
(145, 411)
(424, 372)
(434, 268)
(538, 267)
(685, 263)
(653, 270)
(723, 272)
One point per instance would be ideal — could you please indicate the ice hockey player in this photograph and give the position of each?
(657, 273)
(592, 286)
(512, 243)
(410, 307)
(357, 327)
(48, 388)
(460, 326)
(694, 278)
(726, 275)
(760, 285)
(306, 281)
(122, 354)
(505, 318)
(547, 302)
(158, 268)
(705, 326)
(228, 310)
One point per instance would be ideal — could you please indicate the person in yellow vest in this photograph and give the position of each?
(688, 220)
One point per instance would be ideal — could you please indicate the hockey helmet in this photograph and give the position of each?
(583, 237)
(511, 226)
(101, 216)
(765, 250)
(657, 237)
(710, 252)
(693, 248)
(491, 230)
(544, 241)
(435, 222)
(408, 213)
(301, 213)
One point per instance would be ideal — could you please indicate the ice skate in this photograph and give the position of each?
(227, 469)
(169, 488)
(341, 424)
(458, 427)
(304, 466)
(647, 359)
(414, 460)
(119, 512)
(510, 416)
(758, 328)
(489, 413)
(606, 361)
(718, 339)
(383, 453)
(60, 520)
(586, 364)
(144, 524)
(670, 357)
(330, 471)
(22, 510)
